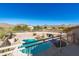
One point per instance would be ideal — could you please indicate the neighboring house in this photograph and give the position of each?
(31, 27)
(73, 35)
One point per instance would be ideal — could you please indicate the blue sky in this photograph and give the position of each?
(39, 14)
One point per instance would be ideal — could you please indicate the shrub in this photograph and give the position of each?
(2, 35)
(34, 34)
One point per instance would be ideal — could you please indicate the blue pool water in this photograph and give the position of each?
(35, 49)
(41, 48)
(29, 40)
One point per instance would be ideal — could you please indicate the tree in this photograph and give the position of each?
(25, 28)
(37, 28)
(21, 28)
(17, 28)
(45, 27)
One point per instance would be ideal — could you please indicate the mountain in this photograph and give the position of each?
(6, 25)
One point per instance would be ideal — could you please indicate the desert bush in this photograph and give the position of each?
(2, 35)
(34, 34)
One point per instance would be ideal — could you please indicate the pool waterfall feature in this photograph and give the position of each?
(34, 47)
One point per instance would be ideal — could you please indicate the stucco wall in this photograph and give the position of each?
(73, 36)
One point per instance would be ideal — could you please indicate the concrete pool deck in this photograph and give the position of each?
(27, 35)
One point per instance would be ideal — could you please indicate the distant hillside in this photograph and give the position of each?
(6, 25)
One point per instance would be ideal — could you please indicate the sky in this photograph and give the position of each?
(39, 13)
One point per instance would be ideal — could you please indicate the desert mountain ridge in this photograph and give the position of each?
(6, 25)
(12, 25)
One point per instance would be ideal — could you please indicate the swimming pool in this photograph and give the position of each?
(30, 47)
(34, 49)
